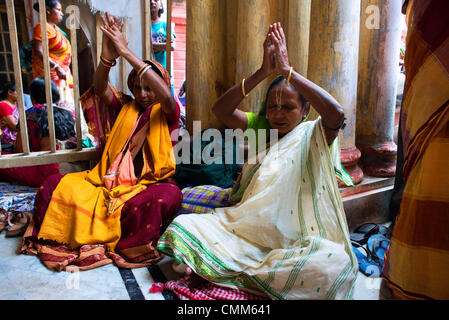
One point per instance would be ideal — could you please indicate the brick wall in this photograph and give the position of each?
(179, 55)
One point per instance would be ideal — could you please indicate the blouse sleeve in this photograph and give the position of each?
(5, 110)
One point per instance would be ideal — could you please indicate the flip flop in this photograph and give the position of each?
(367, 229)
(18, 223)
(366, 263)
(377, 246)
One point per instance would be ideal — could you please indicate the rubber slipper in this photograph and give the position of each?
(377, 246)
(366, 263)
(367, 229)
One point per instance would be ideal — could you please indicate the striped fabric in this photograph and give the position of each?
(17, 198)
(208, 292)
(418, 258)
(203, 199)
(287, 238)
(59, 257)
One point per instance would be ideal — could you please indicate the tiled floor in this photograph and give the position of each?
(25, 278)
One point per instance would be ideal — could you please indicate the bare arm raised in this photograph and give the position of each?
(225, 108)
(108, 52)
(331, 112)
(150, 78)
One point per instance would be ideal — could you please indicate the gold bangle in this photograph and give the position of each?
(141, 69)
(107, 60)
(289, 76)
(105, 64)
(243, 88)
(108, 63)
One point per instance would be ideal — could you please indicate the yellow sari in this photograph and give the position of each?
(82, 211)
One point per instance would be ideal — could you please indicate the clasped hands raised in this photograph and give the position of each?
(114, 43)
(275, 51)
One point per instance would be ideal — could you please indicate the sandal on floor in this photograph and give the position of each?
(366, 263)
(3, 220)
(377, 246)
(18, 222)
(367, 229)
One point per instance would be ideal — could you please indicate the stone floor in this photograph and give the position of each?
(25, 278)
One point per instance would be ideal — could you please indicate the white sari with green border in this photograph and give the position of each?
(287, 237)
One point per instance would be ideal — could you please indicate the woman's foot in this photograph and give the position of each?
(180, 268)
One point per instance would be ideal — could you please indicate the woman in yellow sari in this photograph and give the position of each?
(59, 46)
(116, 211)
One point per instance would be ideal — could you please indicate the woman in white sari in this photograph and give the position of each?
(287, 236)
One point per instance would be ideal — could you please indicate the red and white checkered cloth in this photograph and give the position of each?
(209, 291)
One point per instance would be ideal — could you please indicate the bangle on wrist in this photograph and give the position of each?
(107, 60)
(243, 88)
(107, 63)
(289, 76)
(142, 71)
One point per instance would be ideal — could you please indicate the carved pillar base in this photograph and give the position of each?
(379, 160)
(349, 160)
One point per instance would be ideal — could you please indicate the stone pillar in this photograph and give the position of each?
(333, 65)
(225, 44)
(205, 56)
(377, 85)
(253, 19)
(298, 34)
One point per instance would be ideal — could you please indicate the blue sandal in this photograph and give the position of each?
(366, 263)
(377, 246)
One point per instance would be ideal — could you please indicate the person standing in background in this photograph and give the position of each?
(159, 33)
(59, 47)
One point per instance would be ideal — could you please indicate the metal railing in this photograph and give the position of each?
(28, 158)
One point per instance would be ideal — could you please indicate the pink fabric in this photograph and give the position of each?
(206, 291)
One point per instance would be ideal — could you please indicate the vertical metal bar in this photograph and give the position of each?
(17, 75)
(148, 42)
(99, 36)
(123, 65)
(169, 36)
(46, 62)
(74, 23)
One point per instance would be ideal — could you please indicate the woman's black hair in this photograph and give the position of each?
(37, 91)
(161, 10)
(275, 83)
(48, 3)
(6, 87)
(64, 124)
